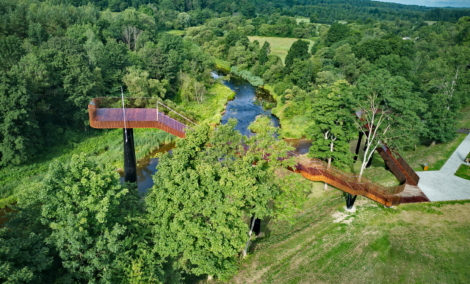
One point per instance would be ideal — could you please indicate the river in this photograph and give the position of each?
(245, 107)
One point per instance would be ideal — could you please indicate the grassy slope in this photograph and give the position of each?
(463, 171)
(413, 243)
(279, 45)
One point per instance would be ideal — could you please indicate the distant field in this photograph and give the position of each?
(279, 45)
(177, 32)
(305, 20)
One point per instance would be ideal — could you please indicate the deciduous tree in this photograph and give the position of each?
(205, 189)
(387, 112)
(333, 124)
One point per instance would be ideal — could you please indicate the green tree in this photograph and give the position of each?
(89, 214)
(336, 33)
(388, 112)
(12, 50)
(298, 50)
(264, 53)
(333, 128)
(140, 85)
(24, 255)
(19, 131)
(447, 82)
(112, 59)
(372, 49)
(205, 188)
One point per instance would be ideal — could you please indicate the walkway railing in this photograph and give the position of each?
(318, 170)
(114, 112)
(173, 111)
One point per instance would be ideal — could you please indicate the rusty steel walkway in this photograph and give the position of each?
(407, 192)
(103, 116)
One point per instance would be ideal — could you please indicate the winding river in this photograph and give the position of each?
(245, 107)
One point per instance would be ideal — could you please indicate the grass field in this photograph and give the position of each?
(414, 243)
(463, 171)
(177, 32)
(279, 45)
(221, 64)
(435, 156)
(302, 20)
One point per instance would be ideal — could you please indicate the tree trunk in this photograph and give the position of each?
(329, 159)
(245, 251)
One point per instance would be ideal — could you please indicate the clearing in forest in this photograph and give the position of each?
(279, 45)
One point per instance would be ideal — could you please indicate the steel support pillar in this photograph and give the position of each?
(358, 146)
(370, 160)
(130, 165)
(350, 200)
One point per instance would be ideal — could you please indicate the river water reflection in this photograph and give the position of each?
(246, 105)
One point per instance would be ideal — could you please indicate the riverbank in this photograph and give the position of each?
(103, 147)
(291, 128)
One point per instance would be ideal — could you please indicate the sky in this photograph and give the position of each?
(432, 3)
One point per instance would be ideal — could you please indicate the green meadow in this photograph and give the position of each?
(279, 45)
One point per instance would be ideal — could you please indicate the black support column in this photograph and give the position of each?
(358, 146)
(130, 165)
(370, 161)
(350, 200)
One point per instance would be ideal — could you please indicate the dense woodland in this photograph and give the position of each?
(405, 68)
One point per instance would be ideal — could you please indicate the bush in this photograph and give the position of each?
(247, 75)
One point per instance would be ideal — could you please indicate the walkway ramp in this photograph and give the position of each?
(317, 170)
(398, 166)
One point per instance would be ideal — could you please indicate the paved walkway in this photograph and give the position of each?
(443, 185)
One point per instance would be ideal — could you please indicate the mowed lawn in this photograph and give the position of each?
(410, 243)
(279, 45)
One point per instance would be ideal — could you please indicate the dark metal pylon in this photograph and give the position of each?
(130, 164)
(350, 200)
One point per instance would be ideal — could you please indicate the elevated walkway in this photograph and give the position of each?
(407, 192)
(106, 113)
(132, 113)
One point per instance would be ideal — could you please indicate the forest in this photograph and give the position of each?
(407, 68)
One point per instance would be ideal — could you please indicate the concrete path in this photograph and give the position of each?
(442, 185)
